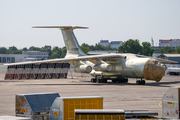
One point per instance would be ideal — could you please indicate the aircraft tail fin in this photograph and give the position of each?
(72, 45)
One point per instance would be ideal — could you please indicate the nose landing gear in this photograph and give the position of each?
(140, 82)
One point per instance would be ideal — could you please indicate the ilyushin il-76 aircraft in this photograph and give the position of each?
(117, 67)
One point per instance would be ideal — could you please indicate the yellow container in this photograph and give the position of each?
(63, 107)
(99, 114)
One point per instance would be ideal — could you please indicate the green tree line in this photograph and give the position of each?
(169, 50)
(55, 52)
(129, 46)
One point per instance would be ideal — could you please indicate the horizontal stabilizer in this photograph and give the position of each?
(166, 61)
(61, 27)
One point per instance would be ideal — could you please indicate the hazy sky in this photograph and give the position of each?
(107, 19)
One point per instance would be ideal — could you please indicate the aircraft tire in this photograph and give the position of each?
(114, 81)
(99, 80)
(143, 82)
(104, 80)
(125, 80)
(139, 82)
(93, 80)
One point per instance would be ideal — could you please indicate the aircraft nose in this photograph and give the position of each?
(153, 70)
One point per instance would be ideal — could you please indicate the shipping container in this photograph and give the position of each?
(99, 114)
(63, 107)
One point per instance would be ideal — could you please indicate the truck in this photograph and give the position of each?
(173, 71)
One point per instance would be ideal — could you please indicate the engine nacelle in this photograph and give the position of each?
(83, 69)
(103, 67)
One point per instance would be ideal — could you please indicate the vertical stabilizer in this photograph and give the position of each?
(72, 45)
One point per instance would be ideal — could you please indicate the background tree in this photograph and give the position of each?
(32, 48)
(146, 49)
(99, 47)
(3, 50)
(13, 50)
(46, 48)
(56, 53)
(85, 49)
(64, 51)
(178, 49)
(130, 46)
(168, 50)
(165, 50)
(25, 49)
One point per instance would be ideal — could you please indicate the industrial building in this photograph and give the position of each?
(112, 44)
(169, 43)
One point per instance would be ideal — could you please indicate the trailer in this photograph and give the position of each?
(35, 106)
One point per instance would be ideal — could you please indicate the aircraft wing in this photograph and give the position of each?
(109, 57)
(166, 61)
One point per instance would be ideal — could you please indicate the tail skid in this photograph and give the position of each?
(72, 45)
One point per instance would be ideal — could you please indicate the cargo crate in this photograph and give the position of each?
(63, 107)
(99, 114)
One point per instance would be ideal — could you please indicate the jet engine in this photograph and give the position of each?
(103, 67)
(83, 69)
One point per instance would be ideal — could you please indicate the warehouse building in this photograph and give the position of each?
(25, 56)
(169, 43)
(12, 58)
(36, 54)
(112, 44)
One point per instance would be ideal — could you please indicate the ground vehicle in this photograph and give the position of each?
(173, 71)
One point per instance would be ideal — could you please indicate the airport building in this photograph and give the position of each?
(25, 56)
(12, 58)
(37, 54)
(169, 43)
(112, 44)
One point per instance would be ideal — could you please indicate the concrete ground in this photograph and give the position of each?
(127, 96)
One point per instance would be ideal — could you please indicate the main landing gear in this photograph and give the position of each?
(140, 82)
(125, 80)
(99, 80)
(104, 80)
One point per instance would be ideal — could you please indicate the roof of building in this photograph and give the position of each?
(172, 55)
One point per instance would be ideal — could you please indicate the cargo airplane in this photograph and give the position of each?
(116, 67)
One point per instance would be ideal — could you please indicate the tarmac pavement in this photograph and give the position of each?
(127, 96)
